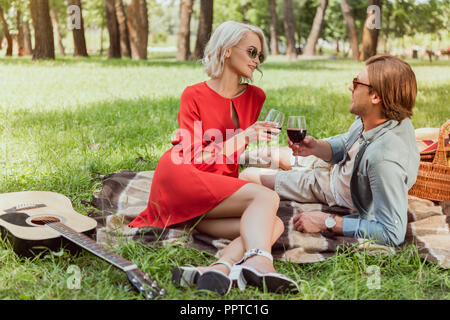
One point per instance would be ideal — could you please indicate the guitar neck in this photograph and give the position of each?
(87, 243)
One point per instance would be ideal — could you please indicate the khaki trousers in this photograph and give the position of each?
(309, 182)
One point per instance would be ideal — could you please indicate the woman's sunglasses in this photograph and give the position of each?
(253, 53)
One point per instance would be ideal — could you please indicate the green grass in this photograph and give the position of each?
(54, 113)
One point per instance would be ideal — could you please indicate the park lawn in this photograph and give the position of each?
(62, 122)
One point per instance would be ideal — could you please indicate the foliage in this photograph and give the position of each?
(94, 13)
(163, 16)
(407, 17)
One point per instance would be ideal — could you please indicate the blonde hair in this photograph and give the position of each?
(227, 35)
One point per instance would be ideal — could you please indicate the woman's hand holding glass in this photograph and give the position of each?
(261, 131)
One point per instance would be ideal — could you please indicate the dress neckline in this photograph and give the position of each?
(220, 96)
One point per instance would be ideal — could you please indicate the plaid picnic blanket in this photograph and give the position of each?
(124, 194)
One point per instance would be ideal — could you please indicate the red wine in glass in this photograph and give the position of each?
(296, 135)
(296, 130)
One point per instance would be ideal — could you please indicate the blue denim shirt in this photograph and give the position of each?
(385, 169)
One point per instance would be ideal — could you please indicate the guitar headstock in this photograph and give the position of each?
(146, 286)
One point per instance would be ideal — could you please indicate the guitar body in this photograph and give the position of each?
(23, 228)
(33, 219)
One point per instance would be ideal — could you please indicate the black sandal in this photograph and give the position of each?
(216, 281)
(272, 281)
(185, 276)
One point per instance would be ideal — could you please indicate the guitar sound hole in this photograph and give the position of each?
(43, 220)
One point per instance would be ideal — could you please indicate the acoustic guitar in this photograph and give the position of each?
(32, 220)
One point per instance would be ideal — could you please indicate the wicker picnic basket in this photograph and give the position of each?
(433, 178)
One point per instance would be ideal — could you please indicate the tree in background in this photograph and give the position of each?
(273, 28)
(27, 46)
(43, 31)
(255, 12)
(79, 39)
(137, 22)
(113, 30)
(204, 28)
(334, 28)
(184, 30)
(124, 36)
(9, 48)
(54, 15)
(406, 18)
(370, 32)
(403, 23)
(20, 39)
(94, 16)
(23, 18)
(316, 29)
(289, 28)
(351, 28)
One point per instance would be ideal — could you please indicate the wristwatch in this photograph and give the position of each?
(330, 222)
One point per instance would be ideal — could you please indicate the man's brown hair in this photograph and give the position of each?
(394, 81)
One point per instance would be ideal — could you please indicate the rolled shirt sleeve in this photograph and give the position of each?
(338, 149)
(341, 142)
(390, 205)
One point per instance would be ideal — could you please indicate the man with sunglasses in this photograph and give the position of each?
(369, 169)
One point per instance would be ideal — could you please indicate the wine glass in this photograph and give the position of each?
(296, 130)
(275, 116)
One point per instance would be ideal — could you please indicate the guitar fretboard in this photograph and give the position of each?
(87, 243)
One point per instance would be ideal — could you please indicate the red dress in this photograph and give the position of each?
(184, 187)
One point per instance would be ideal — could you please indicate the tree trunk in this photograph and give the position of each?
(273, 28)
(113, 30)
(137, 21)
(27, 46)
(57, 29)
(386, 35)
(44, 47)
(125, 48)
(204, 28)
(20, 44)
(79, 39)
(370, 35)
(351, 28)
(316, 30)
(289, 27)
(184, 30)
(101, 40)
(9, 40)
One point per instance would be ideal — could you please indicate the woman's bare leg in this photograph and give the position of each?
(236, 248)
(263, 176)
(256, 206)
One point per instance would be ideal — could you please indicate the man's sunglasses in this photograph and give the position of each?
(356, 82)
(253, 53)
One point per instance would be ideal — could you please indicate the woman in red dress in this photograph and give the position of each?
(196, 181)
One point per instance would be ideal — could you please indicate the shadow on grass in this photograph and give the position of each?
(169, 61)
